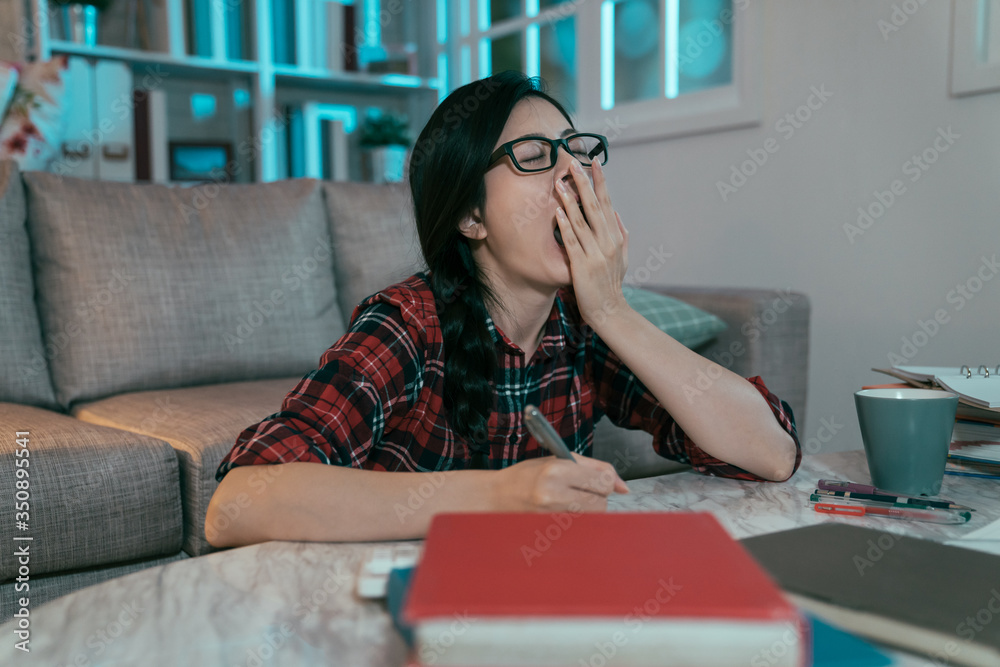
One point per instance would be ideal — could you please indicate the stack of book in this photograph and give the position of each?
(626, 589)
(975, 443)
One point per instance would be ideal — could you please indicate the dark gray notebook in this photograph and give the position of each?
(938, 600)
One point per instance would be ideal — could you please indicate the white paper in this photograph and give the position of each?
(985, 539)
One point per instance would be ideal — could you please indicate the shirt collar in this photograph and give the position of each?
(556, 332)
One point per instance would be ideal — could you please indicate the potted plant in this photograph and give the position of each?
(79, 19)
(385, 139)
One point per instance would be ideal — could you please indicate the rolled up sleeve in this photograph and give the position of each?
(629, 404)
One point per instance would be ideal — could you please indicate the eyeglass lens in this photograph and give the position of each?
(536, 154)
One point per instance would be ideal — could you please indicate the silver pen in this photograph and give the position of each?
(546, 436)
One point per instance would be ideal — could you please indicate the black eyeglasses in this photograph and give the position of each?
(531, 154)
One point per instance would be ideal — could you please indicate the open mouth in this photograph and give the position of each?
(558, 234)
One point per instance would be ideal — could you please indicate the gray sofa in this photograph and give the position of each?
(143, 327)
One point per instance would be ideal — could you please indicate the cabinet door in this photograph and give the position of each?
(77, 154)
(115, 121)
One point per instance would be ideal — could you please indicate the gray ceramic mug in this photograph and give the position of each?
(906, 433)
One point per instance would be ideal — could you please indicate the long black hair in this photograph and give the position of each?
(446, 174)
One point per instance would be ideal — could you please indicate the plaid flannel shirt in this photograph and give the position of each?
(377, 399)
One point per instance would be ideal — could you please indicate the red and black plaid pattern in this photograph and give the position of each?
(377, 399)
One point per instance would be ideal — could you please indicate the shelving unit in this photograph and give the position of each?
(269, 86)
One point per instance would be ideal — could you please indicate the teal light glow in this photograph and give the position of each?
(485, 58)
(442, 21)
(345, 114)
(466, 65)
(442, 76)
(404, 80)
(533, 59)
(202, 106)
(672, 84)
(484, 14)
(372, 29)
(607, 54)
(241, 98)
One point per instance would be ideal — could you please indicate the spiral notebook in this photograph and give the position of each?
(976, 385)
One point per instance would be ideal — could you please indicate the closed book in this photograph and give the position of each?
(627, 589)
(931, 598)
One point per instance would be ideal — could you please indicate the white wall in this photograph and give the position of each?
(785, 226)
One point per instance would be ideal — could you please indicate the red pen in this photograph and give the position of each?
(932, 516)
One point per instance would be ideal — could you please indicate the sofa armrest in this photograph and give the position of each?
(767, 334)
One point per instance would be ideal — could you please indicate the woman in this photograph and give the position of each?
(521, 304)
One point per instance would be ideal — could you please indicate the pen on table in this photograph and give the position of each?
(546, 436)
(818, 497)
(931, 516)
(838, 485)
(854, 502)
(915, 502)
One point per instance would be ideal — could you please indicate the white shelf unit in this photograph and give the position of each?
(268, 81)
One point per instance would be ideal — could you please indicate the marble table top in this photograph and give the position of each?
(294, 603)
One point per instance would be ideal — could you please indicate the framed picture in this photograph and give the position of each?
(200, 160)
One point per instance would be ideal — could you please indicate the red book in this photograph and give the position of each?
(596, 589)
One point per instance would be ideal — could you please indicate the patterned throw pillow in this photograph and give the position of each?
(684, 323)
(32, 129)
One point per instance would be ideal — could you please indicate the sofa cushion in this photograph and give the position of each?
(161, 287)
(374, 239)
(24, 371)
(201, 423)
(688, 325)
(97, 495)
